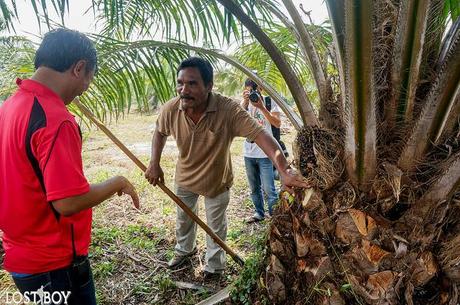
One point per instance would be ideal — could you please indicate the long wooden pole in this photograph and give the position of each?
(165, 189)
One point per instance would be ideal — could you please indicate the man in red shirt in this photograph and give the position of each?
(45, 199)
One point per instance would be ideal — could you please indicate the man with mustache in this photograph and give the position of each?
(204, 124)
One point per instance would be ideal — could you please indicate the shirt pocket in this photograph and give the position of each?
(210, 137)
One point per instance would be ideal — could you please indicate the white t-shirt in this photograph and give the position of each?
(252, 150)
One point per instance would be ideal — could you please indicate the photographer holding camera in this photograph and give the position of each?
(259, 168)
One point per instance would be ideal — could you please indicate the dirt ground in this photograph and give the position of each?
(130, 248)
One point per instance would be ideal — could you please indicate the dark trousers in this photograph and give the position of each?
(51, 288)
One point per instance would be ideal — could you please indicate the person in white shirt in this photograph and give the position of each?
(259, 168)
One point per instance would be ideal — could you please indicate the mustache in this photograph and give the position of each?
(187, 97)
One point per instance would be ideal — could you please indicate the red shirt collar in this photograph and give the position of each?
(37, 88)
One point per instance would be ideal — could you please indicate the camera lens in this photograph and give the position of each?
(253, 96)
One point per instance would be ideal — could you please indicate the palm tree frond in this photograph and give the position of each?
(9, 12)
(439, 103)
(253, 55)
(303, 103)
(16, 60)
(155, 63)
(451, 123)
(306, 44)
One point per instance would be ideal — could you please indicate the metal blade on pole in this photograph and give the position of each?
(165, 189)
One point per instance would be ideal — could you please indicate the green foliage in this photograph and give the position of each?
(9, 11)
(137, 236)
(16, 61)
(345, 288)
(229, 81)
(234, 234)
(452, 9)
(103, 269)
(248, 280)
(170, 19)
(253, 56)
(164, 282)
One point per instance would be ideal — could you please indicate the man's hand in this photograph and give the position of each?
(97, 193)
(129, 189)
(259, 104)
(154, 174)
(290, 179)
(245, 102)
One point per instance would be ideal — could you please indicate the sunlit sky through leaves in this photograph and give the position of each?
(81, 17)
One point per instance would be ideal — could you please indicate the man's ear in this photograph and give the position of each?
(209, 86)
(79, 68)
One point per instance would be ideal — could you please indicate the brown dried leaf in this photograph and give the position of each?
(306, 220)
(409, 293)
(275, 284)
(363, 222)
(444, 297)
(357, 260)
(277, 247)
(276, 266)
(359, 218)
(344, 199)
(346, 230)
(308, 194)
(317, 247)
(301, 245)
(394, 175)
(316, 204)
(274, 230)
(335, 298)
(324, 267)
(319, 267)
(400, 249)
(373, 252)
(379, 288)
(295, 223)
(361, 290)
(425, 268)
(371, 226)
(276, 289)
(382, 281)
(302, 265)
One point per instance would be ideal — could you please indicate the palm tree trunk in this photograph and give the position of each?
(443, 189)
(360, 147)
(408, 50)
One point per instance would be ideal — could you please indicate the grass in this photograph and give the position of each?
(129, 248)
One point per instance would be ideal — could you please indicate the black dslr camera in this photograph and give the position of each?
(254, 94)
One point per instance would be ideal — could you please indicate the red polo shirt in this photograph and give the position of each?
(40, 161)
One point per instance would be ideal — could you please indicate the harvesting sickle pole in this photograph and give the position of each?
(163, 187)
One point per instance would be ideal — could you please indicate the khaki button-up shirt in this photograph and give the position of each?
(204, 166)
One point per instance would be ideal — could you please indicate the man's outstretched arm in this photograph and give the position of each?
(273, 151)
(97, 194)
